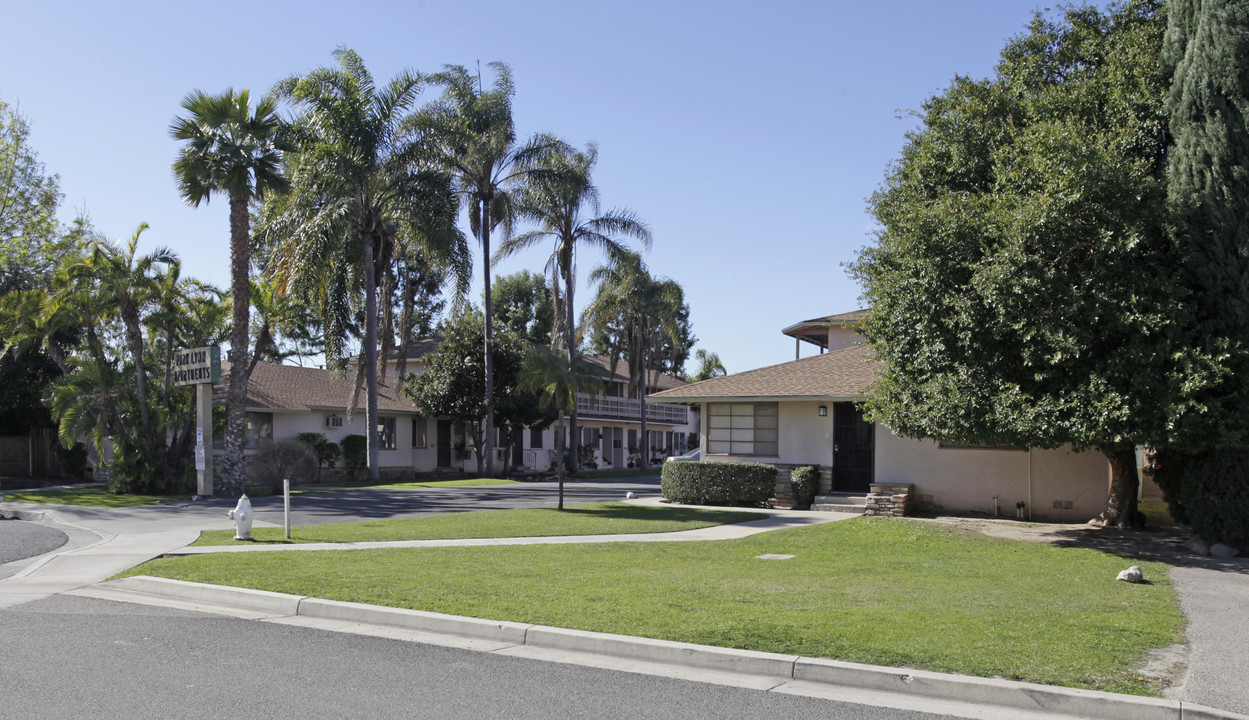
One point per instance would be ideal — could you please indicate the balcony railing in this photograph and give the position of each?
(625, 409)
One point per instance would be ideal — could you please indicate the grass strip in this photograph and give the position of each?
(871, 590)
(590, 519)
(90, 497)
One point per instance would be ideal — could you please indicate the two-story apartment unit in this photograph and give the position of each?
(285, 400)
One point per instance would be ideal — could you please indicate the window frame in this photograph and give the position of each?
(420, 432)
(748, 429)
(386, 431)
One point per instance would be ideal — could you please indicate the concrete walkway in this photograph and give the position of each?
(104, 542)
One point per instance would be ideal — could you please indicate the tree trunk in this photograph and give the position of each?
(370, 359)
(1121, 509)
(233, 470)
(574, 438)
(559, 461)
(486, 212)
(645, 442)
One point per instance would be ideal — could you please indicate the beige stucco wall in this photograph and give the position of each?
(290, 424)
(840, 337)
(963, 480)
(967, 479)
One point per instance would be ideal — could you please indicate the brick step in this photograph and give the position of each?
(838, 507)
(842, 498)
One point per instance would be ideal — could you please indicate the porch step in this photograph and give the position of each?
(840, 502)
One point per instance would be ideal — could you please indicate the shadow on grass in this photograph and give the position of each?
(668, 513)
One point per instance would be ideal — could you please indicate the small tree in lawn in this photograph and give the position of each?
(558, 380)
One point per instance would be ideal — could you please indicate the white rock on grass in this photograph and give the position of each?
(1132, 575)
(1220, 550)
(1197, 545)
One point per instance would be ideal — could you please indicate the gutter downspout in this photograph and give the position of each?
(1029, 483)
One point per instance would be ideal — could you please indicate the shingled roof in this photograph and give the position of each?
(845, 373)
(603, 363)
(287, 387)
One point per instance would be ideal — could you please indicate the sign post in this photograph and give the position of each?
(200, 367)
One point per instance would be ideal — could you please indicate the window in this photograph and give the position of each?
(259, 428)
(741, 429)
(535, 438)
(420, 432)
(333, 421)
(386, 433)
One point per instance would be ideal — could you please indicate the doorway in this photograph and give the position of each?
(854, 444)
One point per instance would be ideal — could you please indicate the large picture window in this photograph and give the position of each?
(259, 428)
(741, 429)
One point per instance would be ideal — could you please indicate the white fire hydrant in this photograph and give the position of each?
(242, 517)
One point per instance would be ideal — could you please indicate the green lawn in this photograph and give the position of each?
(870, 590)
(594, 519)
(90, 497)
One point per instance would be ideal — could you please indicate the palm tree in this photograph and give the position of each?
(709, 365)
(557, 380)
(556, 200)
(117, 280)
(231, 149)
(358, 180)
(644, 311)
(472, 133)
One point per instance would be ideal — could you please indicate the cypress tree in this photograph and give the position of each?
(1204, 473)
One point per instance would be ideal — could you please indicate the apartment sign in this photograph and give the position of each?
(197, 365)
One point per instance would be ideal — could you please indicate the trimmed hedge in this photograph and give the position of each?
(806, 482)
(355, 454)
(718, 483)
(1209, 491)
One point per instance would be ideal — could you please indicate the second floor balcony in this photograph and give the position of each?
(616, 408)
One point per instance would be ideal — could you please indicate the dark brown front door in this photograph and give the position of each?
(854, 441)
(444, 443)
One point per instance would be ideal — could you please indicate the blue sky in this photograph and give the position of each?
(749, 135)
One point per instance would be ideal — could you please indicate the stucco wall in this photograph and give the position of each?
(967, 479)
(840, 337)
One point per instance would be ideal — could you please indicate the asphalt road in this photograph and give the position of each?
(330, 507)
(20, 539)
(78, 657)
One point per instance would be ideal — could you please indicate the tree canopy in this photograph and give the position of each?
(1022, 286)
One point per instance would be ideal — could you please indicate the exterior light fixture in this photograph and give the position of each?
(823, 411)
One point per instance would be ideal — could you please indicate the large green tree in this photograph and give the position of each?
(472, 132)
(29, 197)
(564, 202)
(455, 371)
(359, 181)
(231, 149)
(523, 306)
(1022, 285)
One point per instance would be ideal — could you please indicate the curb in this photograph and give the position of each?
(916, 683)
(21, 515)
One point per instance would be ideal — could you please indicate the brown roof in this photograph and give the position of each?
(845, 373)
(664, 382)
(287, 387)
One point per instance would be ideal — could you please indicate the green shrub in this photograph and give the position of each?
(806, 483)
(72, 460)
(718, 483)
(327, 452)
(1209, 492)
(355, 455)
(279, 460)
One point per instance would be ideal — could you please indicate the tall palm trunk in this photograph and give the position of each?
(559, 460)
(488, 445)
(370, 358)
(574, 438)
(645, 444)
(233, 467)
